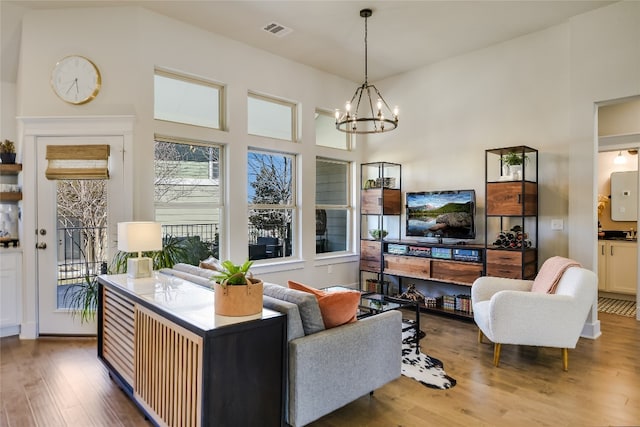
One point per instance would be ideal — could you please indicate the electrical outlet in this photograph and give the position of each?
(557, 224)
(330, 269)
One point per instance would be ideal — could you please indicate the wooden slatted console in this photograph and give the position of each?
(183, 365)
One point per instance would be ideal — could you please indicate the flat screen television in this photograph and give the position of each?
(441, 214)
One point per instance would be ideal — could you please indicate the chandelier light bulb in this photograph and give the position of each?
(395, 112)
(347, 106)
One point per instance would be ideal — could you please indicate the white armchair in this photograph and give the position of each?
(507, 312)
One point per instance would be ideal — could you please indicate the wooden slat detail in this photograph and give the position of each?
(461, 273)
(118, 330)
(168, 370)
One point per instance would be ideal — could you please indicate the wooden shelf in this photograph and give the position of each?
(453, 313)
(10, 196)
(10, 168)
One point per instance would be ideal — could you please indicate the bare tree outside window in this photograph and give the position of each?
(82, 222)
(271, 202)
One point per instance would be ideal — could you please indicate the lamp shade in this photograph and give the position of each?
(139, 236)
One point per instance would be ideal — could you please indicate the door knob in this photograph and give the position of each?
(41, 245)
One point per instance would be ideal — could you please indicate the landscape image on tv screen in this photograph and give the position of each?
(448, 214)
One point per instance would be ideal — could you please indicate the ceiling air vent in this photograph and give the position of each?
(276, 29)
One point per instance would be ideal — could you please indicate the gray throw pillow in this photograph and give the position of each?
(307, 305)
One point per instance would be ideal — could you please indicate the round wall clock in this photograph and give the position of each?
(76, 80)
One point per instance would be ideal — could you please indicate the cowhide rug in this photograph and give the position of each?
(421, 367)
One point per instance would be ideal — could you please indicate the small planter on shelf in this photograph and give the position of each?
(7, 152)
(237, 293)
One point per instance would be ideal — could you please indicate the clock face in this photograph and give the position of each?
(76, 80)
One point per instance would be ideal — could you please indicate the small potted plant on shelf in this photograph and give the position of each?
(378, 234)
(7, 152)
(512, 164)
(237, 293)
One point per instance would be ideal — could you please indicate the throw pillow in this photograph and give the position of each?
(337, 308)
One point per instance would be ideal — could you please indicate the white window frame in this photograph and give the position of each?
(349, 138)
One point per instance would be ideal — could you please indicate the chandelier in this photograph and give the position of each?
(366, 119)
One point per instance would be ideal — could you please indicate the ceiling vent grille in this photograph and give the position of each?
(276, 29)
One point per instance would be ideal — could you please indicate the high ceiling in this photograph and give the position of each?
(329, 35)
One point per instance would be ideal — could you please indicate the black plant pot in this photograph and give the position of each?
(8, 158)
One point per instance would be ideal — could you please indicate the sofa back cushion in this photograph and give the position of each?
(294, 322)
(308, 307)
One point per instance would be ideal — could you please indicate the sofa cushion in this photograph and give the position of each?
(337, 307)
(294, 322)
(194, 270)
(308, 306)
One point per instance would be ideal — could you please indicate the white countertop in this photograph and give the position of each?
(181, 298)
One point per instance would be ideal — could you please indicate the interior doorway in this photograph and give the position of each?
(617, 184)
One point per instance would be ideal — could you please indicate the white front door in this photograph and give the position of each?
(74, 222)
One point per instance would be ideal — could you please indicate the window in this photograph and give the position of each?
(326, 133)
(187, 100)
(271, 118)
(333, 210)
(271, 202)
(188, 194)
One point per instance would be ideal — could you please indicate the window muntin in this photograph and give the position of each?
(270, 117)
(326, 133)
(271, 204)
(187, 100)
(188, 193)
(333, 210)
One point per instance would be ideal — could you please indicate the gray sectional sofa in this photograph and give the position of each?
(328, 368)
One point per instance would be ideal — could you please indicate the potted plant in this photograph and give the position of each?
(378, 234)
(512, 164)
(7, 152)
(237, 293)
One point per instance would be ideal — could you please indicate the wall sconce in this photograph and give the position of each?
(140, 236)
(620, 159)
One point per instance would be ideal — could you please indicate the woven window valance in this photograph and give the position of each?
(77, 162)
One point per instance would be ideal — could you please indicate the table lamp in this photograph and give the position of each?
(139, 236)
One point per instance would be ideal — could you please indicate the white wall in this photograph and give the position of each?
(513, 93)
(127, 53)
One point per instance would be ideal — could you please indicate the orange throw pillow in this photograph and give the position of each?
(337, 308)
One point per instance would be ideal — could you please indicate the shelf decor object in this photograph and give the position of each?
(238, 293)
(140, 236)
(366, 119)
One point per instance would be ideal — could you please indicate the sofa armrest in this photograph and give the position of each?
(486, 286)
(333, 367)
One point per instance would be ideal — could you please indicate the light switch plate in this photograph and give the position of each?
(557, 224)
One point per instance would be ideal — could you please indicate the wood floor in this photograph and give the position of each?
(60, 382)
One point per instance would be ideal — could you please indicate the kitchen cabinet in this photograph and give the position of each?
(618, 266)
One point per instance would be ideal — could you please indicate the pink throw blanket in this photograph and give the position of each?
(550, 274)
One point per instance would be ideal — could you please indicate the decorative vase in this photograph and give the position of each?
(516, 172)
(8, 158)
(238, 300)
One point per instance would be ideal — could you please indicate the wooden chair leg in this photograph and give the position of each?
(480, 335)
(496, 354)
(565, 359)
